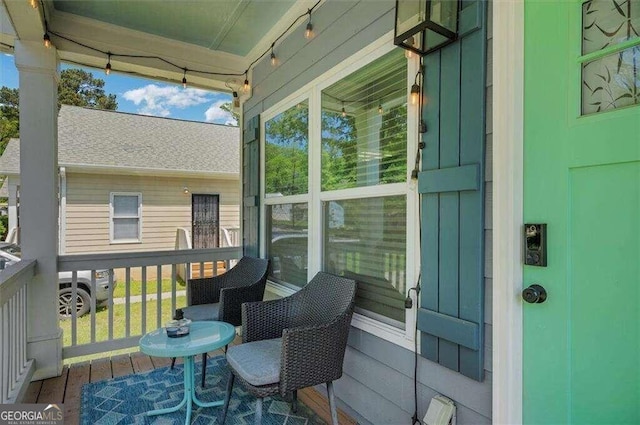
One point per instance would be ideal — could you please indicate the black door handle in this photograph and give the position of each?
(534, 294)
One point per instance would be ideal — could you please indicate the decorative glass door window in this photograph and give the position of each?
(611, 55)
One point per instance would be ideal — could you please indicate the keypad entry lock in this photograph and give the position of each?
(535, 244)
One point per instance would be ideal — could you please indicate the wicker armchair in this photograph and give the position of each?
(220, 298)
(294, 342)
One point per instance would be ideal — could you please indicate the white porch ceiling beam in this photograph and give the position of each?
(29, 25)
(25, 21)
(119, 40)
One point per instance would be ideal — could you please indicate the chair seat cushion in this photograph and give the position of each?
(257, 362)
(202, 312)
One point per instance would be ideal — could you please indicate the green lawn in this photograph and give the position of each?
(136, 287)
(119, 322)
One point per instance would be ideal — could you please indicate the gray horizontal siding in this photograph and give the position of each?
(342, 27)
(377, 385)
(388, 370)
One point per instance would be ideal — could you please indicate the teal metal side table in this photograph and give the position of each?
(203, 336)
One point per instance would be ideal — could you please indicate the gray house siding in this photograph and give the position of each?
(377, 385)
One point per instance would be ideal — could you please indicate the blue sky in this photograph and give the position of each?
(144, 96)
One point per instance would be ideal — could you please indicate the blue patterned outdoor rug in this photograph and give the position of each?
(125, 400)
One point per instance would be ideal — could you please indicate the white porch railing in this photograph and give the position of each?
(15, 369)
(136, 314)
(13, 235)
(230, 236)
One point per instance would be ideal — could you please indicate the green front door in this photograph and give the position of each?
(582, 177)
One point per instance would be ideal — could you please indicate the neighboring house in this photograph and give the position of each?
(127, 182)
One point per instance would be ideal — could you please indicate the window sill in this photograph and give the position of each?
(383, 331)
(367, 324)
(126, 241)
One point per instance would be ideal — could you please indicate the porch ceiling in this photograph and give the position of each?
(222, 36)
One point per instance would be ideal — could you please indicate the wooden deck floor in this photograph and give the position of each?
(67, 387)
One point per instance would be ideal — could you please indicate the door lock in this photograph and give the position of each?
(534, 294)
(535, 244)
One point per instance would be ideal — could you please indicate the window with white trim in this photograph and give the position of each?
(125, 217)
(336, 195)
(364, 144)
(286, 186)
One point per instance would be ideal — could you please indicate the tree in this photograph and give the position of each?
(287, 151)
(79, 88)
(76, 87)
(9, 116)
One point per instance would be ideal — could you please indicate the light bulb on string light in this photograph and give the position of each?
(380, 110)
(344, 113)
(308, 32)
(415, 94)
(246, 87)
(273, 58)
(47, 40)
(184, 79)
(34, 3)
(107, 68)
(416, 91)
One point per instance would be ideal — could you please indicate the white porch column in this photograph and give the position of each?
(12, 185)
(38, 68)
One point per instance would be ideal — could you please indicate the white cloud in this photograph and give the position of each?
(219, 116)
(159, 100)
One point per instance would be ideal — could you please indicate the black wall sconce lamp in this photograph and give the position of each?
(423, 26)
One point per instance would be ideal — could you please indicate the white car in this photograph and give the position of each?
(11, 253)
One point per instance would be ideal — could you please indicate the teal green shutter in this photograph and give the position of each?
(451, 316)
(251, 186)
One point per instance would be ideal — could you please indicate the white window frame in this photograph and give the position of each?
(112, 240)
(304, 198)
(314, 197)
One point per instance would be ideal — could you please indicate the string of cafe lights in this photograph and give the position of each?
(246, 86)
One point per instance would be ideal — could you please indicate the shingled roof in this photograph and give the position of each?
(89, 138)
